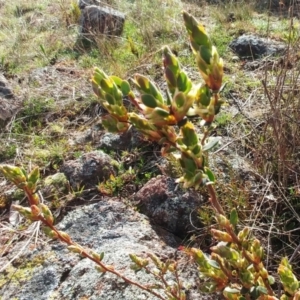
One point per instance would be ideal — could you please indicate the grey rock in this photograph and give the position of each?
(112, 141)
(108, 226)
(250, 46)
(96, 21)
(126, 141)
(90, 169)
(9, 105)
(174, 211)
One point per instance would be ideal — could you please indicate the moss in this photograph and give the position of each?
(22, 272)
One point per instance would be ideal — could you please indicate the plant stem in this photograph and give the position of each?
(214, 200)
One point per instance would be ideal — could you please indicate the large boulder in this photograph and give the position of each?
(49, 271)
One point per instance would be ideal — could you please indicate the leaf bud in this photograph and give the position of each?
(222, 221)
(50, 233)
(35, 211)
(100, 269)
(47, 213)
(221, 236)
(65, 236)
(97, 256)
(75, 249)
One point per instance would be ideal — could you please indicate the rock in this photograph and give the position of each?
(111, 141)
(250, 46)
(174, 211)
(96, 21)
(9, 105)
(55, 186)
(90, 169)
(128, 140)
(50, 271)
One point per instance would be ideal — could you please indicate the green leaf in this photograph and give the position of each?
(271, 279)
(107, 85)
(110, 99)
(226, 252)
(116, 80)
(125, 87)
(179, 99)
(188, 165)
(111, 124)
(208, 287)
(182, 82)
(153, 90)
(149, 100)
(197, 150)
(212, 142)
(205, 95)
(200, 36)
(195, 30)
(170, 76)
(143, 82)
(205, 54)
(262, 290)
(213, 263)
(34, 176)
(210, 175)
(161, 112)
(189, 135)
(231, 293)
(234, 217)
(231, 290)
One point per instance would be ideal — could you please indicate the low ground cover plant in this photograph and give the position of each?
(235, 265)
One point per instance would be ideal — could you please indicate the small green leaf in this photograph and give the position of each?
(200, 37)
(153, 90)
(188, 165)
(116, 80)
(231, 290)
(34, 176)
(208, 287)
(110, 99)
(205, 54)
(107, 85)
(170, 76)
(197, 150)
(143, 82)
(149, 100)
(210, 175)
(161, 112)
(189, 135)
(125, 87)
(204, 95)
(271, 279)
(234, 217)
(179, 99)
(262, 290)
(212, 142)
(231, 293)
(183, 82)
(213, 263)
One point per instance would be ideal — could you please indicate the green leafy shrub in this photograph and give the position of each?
(235, 266)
